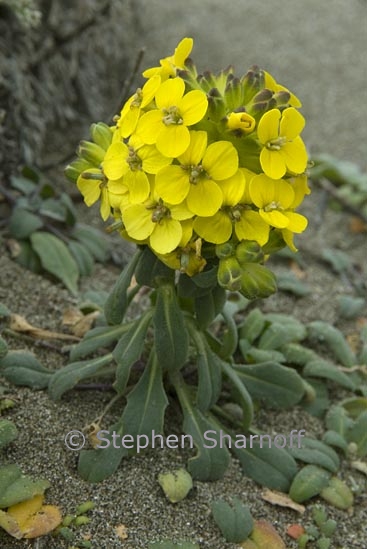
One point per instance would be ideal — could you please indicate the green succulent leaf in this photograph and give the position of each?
(322, 332)
(8, 432)
(317, 453)
(323, 369)
(309, 482)
(23, 223)
(358, 434)
(252, 326)
(93, 240)
(98, 338)
(82, 256)
(234, 520)
(22, 368)
(56, 259)
(16, 487)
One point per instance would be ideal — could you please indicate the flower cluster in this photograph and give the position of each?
(197, 161)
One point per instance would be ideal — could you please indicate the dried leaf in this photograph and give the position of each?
(297, 271)
(121, 531)
(21, 325)
(71, 316)
(263, 536)
(360, 466)
(295, 531)
(30, 519)
(278, 498)
(357, 226)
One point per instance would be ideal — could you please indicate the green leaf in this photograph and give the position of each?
(350, 307)
(322, 332)
(281, 332)
(98, 338)
(337, 420)
(289, 283)
(4, 311)
(82, 256)
(354, 406)
(186, 288)
(240, 394)
(340, 261)
(296, 354)
(150, 270)
(129, 350)
(309, 482)
(208, 306)
(207, 278)
(146, 403)
(53, 209)
(23, 223)
(22, 184)
(170, 334)
(253, 354)
(321, 402)
(8, 432)
(28, 258)
(22, 368)
(56, 259)
(252, 326)
(117, 302)
(16, 487)
(93, 240)
(96, 465)
(65, 379)
(332, 438)
(234, 520)
(358, 434)
(3, 348)
(295, 327)
(327, 370)
(317, 453)
(210, 377)
(269, 466)
(279, 385)
(338, 494)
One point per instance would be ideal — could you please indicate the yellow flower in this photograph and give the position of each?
(283, 149)
(275, 200)
(128, 166)
(200, 173)
(130, 112)
(166, 126)
(157, 221)
(169, 65)
(241, 121)
(94, 186)
(271, 84)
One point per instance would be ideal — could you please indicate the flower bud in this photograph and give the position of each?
(242, 122)
(252, 82)
(101, 135)
(257, 281)
(76, 167)
(229, 274)
(234, 93)
(224, 250)
(91, 152)
(249, 251)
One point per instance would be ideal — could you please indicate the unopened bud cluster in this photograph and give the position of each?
(197, 164)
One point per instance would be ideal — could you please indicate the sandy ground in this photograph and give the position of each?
(317, 50)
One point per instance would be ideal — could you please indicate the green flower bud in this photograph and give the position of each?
(224, 250)
(257, 281)
(275, 242)
(249, 251)
(282, 97)
(263, 101)
(216, 105)
(76, 167)
(93, 153)
(234, 93)
(101, 135)
(85, 507)
(252, 82)
(229, 274)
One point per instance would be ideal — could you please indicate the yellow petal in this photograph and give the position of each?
(166, 236)
(114, 164)
(172, 184)
(262, 190)
(193, 107)
(138, 185)
(252, 227)
(220, 160)
(295, 155)
(288, 239)
(297, 222)
(187, 230)
(180, 211)
(152, 159)
(173, 140)
(275, 218)
(182, 51)
(170, 93)
(195, 152)
(149, 126)
(105, 207)
(233, 188)
(149, 90)
(268, 127)
(291, 123)
(89, 188)
(216, 229)
(273, 163)
(138, 221)
(300, 188)
(205, 198)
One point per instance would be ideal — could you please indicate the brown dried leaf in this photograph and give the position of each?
(30, 519)
(85, 324)
(71, 316)
(295, 531)
(357, 226)
(278, 498)
(360, 466)
(297, 271)
(10, 525)
(121, 531)
(21, 325)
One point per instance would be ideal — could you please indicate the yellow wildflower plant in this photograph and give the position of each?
(214, 159)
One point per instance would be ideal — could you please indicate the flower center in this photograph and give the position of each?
(273, 206)
(160, 211)
(276, 144)
(172, 116)
(133, 160)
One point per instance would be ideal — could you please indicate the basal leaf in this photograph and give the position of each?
(23, 223)
(97, 338)
(279, 385)
(22, 368)
(170, 334)
(82, 256)
(309, 482)
(324, 333)
(322, 368)
(129, 349)
(21, 489)
(93, 240)
(8, 432)
(56, 259)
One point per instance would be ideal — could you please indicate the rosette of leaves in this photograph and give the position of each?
(45, 233)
